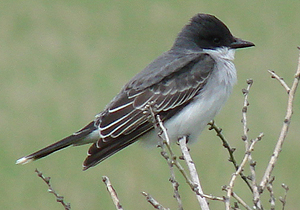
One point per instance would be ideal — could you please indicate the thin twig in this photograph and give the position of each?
(235, 206)
(153, 202)
(163, 136)
(241, 201)
(284, 130)
(283, 199)
(164, 141)
(59, 199)
(172, 160)
(193, 172)
(256, 195)
(281, 80)
(244, 113)
(112, 192)
(230, 150)
(176, 163)
(272, 197)
(172, 179)
(245, 138)
(240, 169)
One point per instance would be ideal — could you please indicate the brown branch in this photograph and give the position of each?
(230, 149)
(112, 192)
(59, 199)
(284, 130)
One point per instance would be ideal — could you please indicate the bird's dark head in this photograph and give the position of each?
(208, 32)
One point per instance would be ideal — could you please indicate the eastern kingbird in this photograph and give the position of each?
(186, 86)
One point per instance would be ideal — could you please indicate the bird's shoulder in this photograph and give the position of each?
(172, 62)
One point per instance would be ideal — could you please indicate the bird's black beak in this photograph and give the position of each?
(239, 43)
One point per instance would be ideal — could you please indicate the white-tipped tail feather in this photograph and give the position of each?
(23, 160)
(86, 135)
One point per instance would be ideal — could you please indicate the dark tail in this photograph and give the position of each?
(100, 154)
(81, 137)
(103, 149)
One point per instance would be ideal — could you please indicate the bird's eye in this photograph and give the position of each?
(216, 40)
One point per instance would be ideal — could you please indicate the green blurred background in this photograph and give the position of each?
(63, 61)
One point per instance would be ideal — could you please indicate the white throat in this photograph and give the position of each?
(221, 52)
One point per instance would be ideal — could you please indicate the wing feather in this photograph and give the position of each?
(171, 88)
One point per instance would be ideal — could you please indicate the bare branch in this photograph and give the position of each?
(284, 130)
(255, 192)
(283, 199)
(163, 135)
(112, 192)
(244, 113)
(229, 188)
(153, 202)
(163, 130)
(181, 169)
(240, 201)
(280, 79)
(164, 142)
(272, 197)
(173, 161)
(230, 149)
(59, 199)
(245, 138)
(172, 179)
(193, 172)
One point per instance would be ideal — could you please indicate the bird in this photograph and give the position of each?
(186, 86)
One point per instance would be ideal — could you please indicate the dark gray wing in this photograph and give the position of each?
(169, 83)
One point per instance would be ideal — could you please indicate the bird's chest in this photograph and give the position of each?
(195, 116)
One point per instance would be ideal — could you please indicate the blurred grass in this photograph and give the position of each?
(63, 61)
